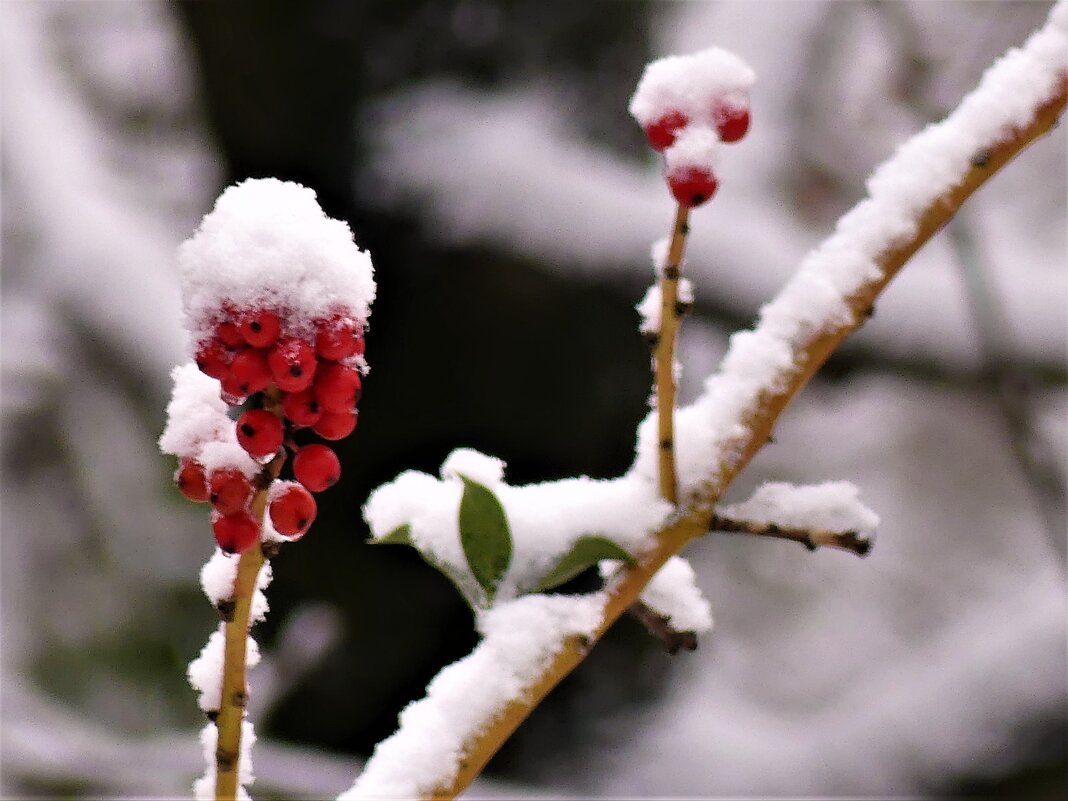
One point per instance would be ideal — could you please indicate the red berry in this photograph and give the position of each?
(259, 432)
(250, 371)
(213, 358)
(337, 338)
(335, 425)
(292, 510)
(235, 533)
(191, 481)
(302, 408)
(661, 132)
(732, 122)
(692, 186)
(229, 334)
(316, 467)
(260, 327)
(292, 363)
(338, 387)
(230, 491)
(231, 391)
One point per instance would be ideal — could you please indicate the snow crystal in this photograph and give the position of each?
(695, 147)
(267, 243)
(217, 576)
(831, 506)
(545, 519)
(692, 85)
(520, 639)
(673, 593)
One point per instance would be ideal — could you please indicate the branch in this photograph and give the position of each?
(808, 350)
(811, 538)
(664, 355)
(659, 627)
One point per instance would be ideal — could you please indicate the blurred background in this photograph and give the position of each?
(482, 152)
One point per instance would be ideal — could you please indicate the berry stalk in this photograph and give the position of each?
(664, 354)
(234, 696)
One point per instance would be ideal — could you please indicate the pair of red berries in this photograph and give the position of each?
(693, 185)
(291, 506)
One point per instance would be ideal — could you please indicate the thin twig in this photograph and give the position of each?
(234, 697)
(811, 538)
(664, 356)
(757, 423)
(660, 627)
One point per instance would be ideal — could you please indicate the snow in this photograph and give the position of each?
(217, 576)
(694, 148)
(205, 672)
(545, 519)
(268, 244)
(520, 639)
(673, 593)
(830, 506)
(691, 84)
(198, 427)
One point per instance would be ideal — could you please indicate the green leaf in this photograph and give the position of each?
(586, 552)
(484, 535)
(401, 535)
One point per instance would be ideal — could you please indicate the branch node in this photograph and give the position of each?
(658, 626)
(226, 610)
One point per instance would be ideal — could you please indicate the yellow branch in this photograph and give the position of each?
(759, 422)
(665, 355)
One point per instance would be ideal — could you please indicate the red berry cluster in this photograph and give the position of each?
(285, 382)
(693, 186)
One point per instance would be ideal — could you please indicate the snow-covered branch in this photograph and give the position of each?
(910, 197)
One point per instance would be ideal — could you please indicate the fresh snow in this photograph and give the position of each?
(545, 519)
(691, 84)
(268, 244)
(673, 593)
(520, 639)
(831, 506)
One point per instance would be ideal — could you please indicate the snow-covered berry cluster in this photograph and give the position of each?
(276, 297)
(688, 106)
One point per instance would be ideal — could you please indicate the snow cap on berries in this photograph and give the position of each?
(268, 245)
(692, 85)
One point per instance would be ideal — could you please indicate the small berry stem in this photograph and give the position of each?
(664, 355)
(234, 697)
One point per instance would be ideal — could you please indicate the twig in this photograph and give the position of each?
(811, 538)
(234, 697)
(757, 423)
(660, 627)
(664, 356)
